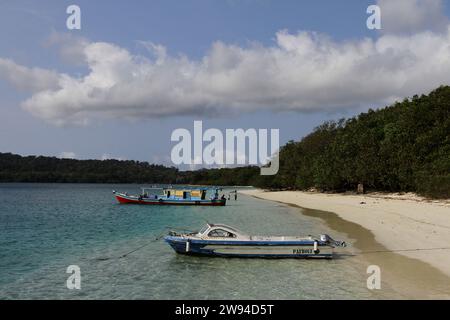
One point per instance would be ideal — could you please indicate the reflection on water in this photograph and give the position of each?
(46, 227)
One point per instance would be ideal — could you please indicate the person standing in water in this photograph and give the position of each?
(235, 195)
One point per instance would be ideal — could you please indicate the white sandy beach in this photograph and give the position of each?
(399, 222)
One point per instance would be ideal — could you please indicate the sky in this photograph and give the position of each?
(137, 70)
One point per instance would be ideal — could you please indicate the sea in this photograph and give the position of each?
(47, 229)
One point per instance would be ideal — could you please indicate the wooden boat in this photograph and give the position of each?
(225, 241)
(173, 196)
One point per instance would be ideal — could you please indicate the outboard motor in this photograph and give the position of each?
(327, 239)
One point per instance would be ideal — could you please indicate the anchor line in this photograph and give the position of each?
(138, 248)
(404, 250)
(156, 239)
(130, 252)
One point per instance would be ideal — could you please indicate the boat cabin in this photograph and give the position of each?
(219, 231)
(194, 194)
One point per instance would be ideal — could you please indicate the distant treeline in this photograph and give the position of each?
(403, 147)
(16, 168)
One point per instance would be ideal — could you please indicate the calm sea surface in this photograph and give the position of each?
(44, 228)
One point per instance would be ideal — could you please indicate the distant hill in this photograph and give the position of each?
(403, 147)
(16, 168)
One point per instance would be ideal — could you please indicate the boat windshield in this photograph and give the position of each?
(220, 233)
(203, 230)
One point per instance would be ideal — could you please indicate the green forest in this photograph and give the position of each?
(403, 147)
(16, 168)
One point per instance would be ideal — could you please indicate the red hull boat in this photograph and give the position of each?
(166, 196)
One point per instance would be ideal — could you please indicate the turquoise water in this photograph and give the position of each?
(44, 228)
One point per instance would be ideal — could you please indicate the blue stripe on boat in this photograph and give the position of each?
(237, 242)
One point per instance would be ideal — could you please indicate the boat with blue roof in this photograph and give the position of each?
(195, 196)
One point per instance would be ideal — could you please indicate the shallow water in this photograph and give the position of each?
(44, 228)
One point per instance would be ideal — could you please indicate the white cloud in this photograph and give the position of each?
(164, 160)
(67, 155)
(411, 16)
(71, 48)
(301, 72)
(28, 79)
(239, 159)
(107, 156)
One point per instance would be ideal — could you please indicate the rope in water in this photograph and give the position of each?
(134, 250)
(362, 252)
(144, 245)
(124, 255)
(404, 250)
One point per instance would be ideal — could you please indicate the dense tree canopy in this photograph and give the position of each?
(403, 147)
(15, 168)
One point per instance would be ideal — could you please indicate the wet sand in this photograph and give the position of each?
(413, 277)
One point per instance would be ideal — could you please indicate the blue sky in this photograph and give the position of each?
(33, 35)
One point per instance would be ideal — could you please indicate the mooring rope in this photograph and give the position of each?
(156, 239)
(362, 252)
(404, 250)
(148, 243)
(134, 250)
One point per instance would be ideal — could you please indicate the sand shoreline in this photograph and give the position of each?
(400, 223)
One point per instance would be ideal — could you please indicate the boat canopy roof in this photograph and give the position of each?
(210, 227)
(186, 188)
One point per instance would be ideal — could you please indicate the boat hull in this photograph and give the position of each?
(125, 199)
(250, 249)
